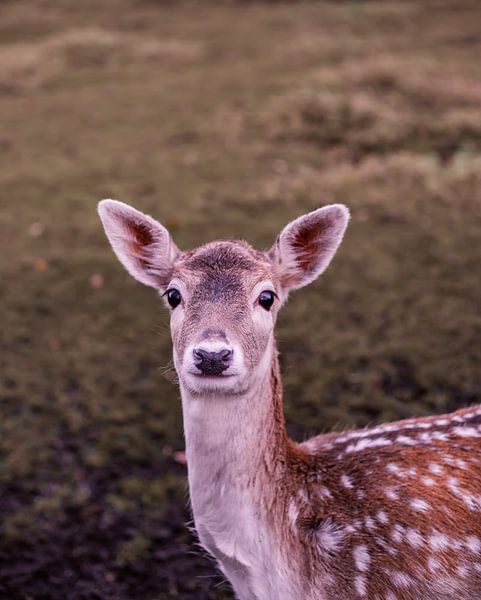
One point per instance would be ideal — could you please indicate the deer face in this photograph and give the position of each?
(224, 296)
(224, 299)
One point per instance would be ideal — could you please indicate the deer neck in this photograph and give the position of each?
(236, 447)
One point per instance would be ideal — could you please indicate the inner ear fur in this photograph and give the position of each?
(306, 246)
(141, 243)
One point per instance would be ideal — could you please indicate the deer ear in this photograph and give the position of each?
(142, 245)
(306, 246)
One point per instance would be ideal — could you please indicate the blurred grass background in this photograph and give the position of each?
(222, 119)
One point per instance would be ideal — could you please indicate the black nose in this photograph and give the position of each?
(212, 363)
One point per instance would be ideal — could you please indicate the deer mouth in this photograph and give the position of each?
(199, 376)
(203, 384)
(213, 375)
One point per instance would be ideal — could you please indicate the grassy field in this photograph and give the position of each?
(221, 119)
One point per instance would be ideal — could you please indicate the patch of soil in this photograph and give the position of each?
(77, 550)
(75, 557)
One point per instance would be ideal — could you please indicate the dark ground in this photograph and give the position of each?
(221, 119)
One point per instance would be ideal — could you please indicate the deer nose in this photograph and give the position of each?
(212, 363)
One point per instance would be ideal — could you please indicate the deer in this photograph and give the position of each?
(390, 512)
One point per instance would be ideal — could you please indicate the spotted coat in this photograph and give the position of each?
(393, 513)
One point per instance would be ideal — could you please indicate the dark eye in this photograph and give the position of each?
(173, 297)
(266, 299)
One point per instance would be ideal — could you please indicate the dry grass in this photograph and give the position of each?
(26, 66)
(381, 105)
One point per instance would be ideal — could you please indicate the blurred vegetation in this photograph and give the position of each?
(222, 119)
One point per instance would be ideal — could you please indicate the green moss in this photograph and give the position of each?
(19, 525)
(133, 549)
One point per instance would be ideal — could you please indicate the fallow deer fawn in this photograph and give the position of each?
(391, 513)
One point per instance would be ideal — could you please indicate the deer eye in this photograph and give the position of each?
(266, 299)
(173, 297)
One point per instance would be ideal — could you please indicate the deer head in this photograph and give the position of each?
(224, 296)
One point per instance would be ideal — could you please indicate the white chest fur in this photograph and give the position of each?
(230, 530)
(225, 501)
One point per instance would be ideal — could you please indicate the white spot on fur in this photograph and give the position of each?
(473, 544)
(361, 558)
(462, 571)
(382, 517)
(433, 564)
(395, 470)
(404, 439)
(293, 513)
(414, 538)
(436, 469)
(438, 541)
(324, 493)
(330, 536)
(401, 438)
(472, 502)
(385, 546)
(360, 585)
(420, 505)
(397, 533)
(401, 579)
(367, 443)
(453, 484)
(346, 482)
(456, 545)
(391, 493)
(466, 432)
(429, 481)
